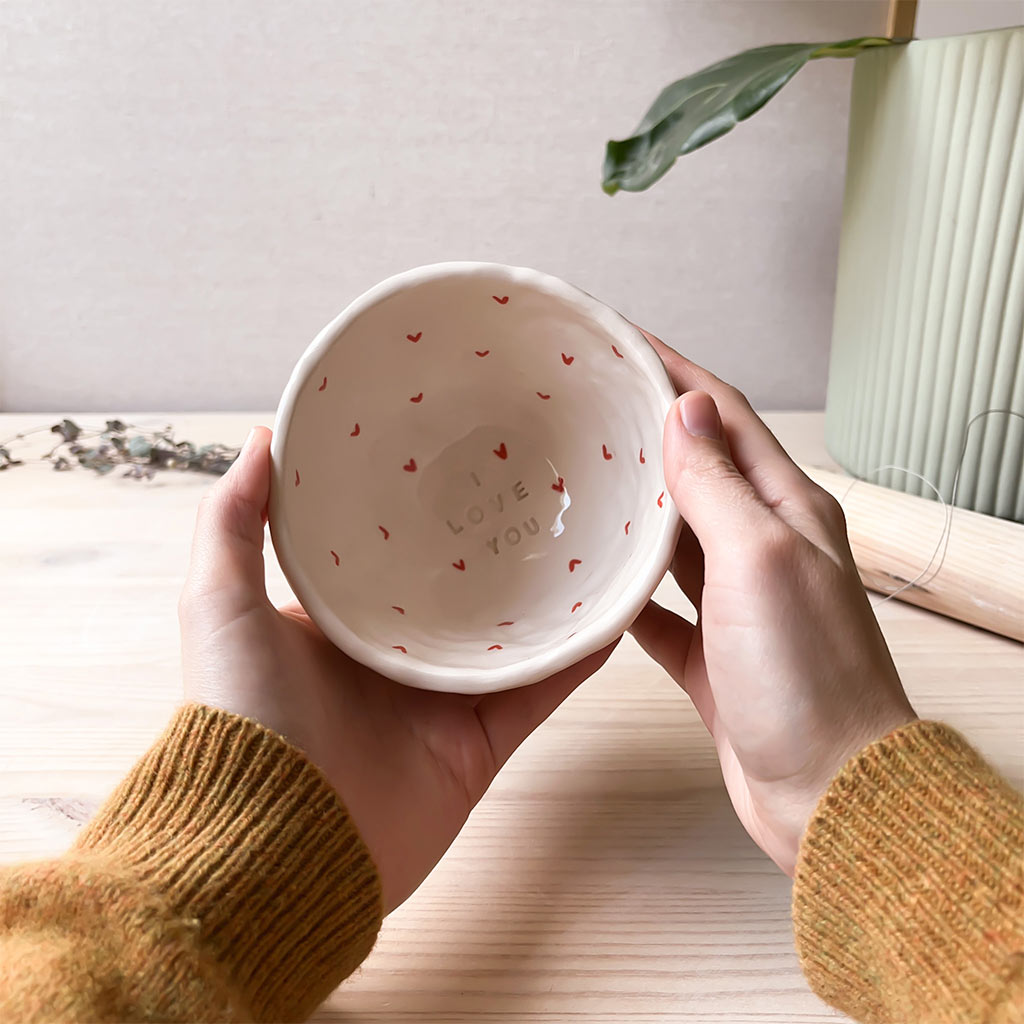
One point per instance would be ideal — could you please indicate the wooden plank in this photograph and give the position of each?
(977, 570)
(900, 19)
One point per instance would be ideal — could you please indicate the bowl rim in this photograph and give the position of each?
(413, 671)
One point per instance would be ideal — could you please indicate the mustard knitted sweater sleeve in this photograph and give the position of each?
(908, 903)
(223, 881)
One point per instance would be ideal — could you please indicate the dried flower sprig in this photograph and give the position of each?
(121, 444)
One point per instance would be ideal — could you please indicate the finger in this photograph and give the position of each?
(509, 716)
(756, 451)
(668, 638)
(688, 566)
(758, 455)
(227, 547)
(665, 636)
(712, 495)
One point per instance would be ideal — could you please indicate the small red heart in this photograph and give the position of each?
(323, 387)
(414, 337)
(628, 521)
(399, 647)
(568, 360)
(578, 604)
(401, 611)
(417, 398)
(617, 352)
(495, 647)
(509, 623)
(660, 496)
(642, 459)
(607, 454)
(501, 301)
(486, 352)
(560, 486)
(385, 532)
(573, 562)
(410, 466)
(545, 397)
(460, 565)
(355, 433)
(337, 560)
(501, 452)
(297, 478)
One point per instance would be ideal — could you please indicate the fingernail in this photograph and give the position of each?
(248, 438)
(700, 415)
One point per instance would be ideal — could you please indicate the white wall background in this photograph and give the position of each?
(191, 189)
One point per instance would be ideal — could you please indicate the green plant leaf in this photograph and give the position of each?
(702, 107)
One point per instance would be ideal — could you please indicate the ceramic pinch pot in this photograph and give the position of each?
(467, 489)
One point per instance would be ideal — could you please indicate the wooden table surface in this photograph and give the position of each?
(603, 877)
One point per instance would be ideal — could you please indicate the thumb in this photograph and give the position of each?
(712, 495)
(227, 547)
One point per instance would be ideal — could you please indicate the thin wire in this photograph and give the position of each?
(947, 527)
(959, 467)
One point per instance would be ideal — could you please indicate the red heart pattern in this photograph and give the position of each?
(399, 609)
(510, 622)
(502, 453)
(297, 480)
(399, 647)
(495, 647)
(578, 604)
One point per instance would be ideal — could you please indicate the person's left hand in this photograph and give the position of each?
(408, 764)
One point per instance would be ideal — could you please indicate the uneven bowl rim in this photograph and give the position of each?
(410, 670)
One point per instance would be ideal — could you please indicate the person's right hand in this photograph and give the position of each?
(786, 666)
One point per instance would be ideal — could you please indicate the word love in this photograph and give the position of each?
(495, 506)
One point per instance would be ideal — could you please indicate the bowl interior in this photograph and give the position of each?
(468, 475)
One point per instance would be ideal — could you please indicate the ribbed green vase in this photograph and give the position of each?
(929, 317)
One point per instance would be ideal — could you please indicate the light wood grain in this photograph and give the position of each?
(603, 878)
(976, 562)
(900, 19)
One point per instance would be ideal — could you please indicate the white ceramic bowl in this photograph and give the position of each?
(468, 491)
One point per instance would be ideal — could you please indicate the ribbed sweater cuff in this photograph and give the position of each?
(239, 832)
(908, 895)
